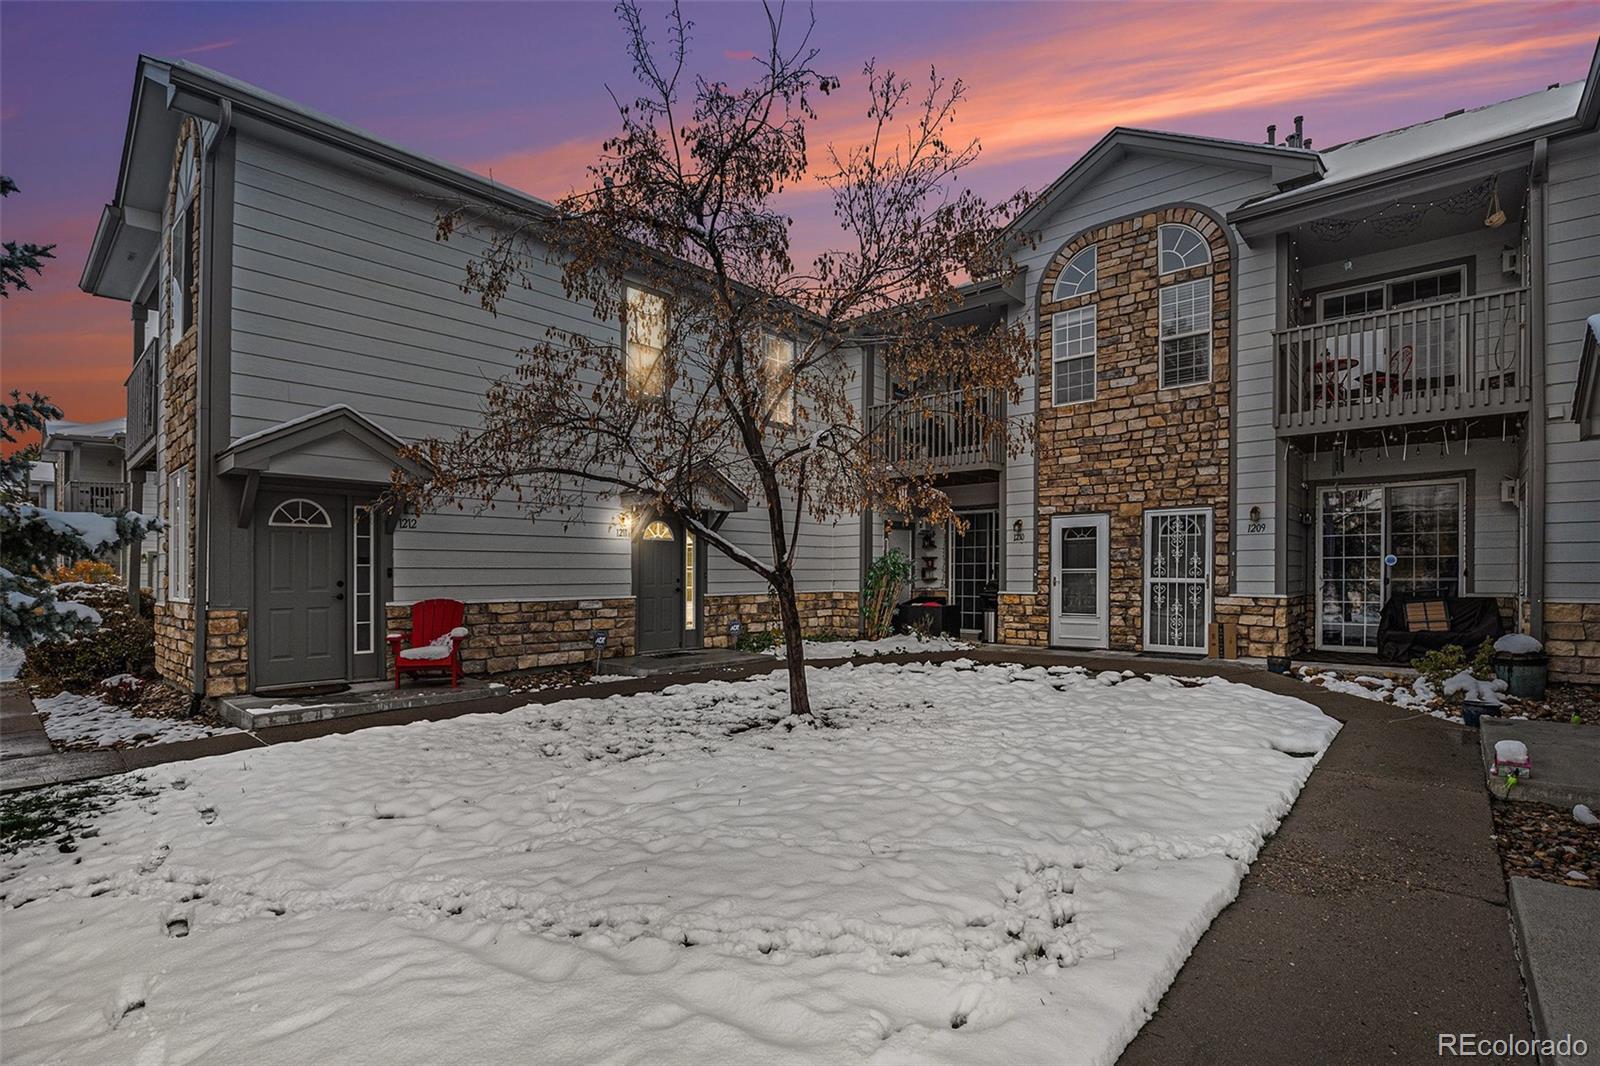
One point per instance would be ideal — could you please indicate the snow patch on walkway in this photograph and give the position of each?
(976, 863)
(90, 722)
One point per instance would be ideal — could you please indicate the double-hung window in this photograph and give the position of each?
(184, 257)
(777, 373)
(1072, 348)
(644, 330)
(1186, 333)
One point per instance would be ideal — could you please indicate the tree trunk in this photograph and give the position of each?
(794, 643)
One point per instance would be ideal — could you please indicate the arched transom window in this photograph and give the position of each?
(1080, 275)
(657, 530)
(1182, 247)
(300, 513)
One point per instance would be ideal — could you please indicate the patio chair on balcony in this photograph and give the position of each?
(434, 642)
(1378, 383)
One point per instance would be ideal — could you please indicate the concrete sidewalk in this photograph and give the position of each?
(1373, 921)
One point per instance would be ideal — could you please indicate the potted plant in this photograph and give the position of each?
(1520, 661)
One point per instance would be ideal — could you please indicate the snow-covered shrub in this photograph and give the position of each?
(1449, 672)
(122, 690)
(122, 643)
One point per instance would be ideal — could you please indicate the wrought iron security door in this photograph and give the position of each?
(1177, 580)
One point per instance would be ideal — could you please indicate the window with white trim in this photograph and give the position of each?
(777, 373)
(364, 586)
(644, 329)
(1072, 349)
(689, 562)
(1182, 247)
(182, 236)
(177, 534)
(1186, 333)
(1080, 275)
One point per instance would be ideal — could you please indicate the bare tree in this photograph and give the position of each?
(738, 361)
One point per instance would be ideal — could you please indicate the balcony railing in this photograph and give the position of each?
(141, 386)
(101, 497)
(940, 431)
(1432, 361)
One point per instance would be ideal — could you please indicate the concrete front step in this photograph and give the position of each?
(1565, 757)
(261, 712)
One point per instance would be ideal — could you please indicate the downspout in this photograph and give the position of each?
(869, 360)
(1537, 414)
(202, 406)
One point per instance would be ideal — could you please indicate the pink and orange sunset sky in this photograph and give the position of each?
(518, 91)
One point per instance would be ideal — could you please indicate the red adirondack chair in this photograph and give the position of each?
(434, 642)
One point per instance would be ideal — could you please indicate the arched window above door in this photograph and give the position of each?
(302, 513)
(657, 530)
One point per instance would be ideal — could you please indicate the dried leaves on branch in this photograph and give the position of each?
(712, 356)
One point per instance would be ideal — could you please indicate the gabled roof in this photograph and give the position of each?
(334, 443)
(1283, 164)
(1439, 142)
(165, 90)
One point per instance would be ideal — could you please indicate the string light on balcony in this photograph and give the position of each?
(1403, 218)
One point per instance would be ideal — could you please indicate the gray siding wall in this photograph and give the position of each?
(342, 295)
(1572, 294)
(1141, 183)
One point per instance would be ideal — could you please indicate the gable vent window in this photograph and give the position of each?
(1186, 333)
(1073, 343)
(1080, 275)
(1182, 247)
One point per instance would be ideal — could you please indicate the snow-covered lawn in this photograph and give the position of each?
(900, 644)
(976, 864)
(90, 722)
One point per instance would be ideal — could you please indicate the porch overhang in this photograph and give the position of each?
(335, 445)
(710, 492)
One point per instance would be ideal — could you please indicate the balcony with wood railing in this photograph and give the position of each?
(101, 497)
(141, 389)
(940, 432)
(1427, 363)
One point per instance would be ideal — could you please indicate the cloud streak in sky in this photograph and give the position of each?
(518, 93)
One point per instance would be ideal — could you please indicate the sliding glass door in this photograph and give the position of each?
(1378, 541)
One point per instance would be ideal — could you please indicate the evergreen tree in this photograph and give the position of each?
(20, 258)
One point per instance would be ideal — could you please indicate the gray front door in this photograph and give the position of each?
(658, 585)
(302, 635)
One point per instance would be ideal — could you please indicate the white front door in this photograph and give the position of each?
(1080, 572)
(1177, 580)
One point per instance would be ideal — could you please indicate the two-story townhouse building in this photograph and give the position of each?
(1278, 386)
(296, 322)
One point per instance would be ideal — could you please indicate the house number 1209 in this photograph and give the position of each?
(1255, 527)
